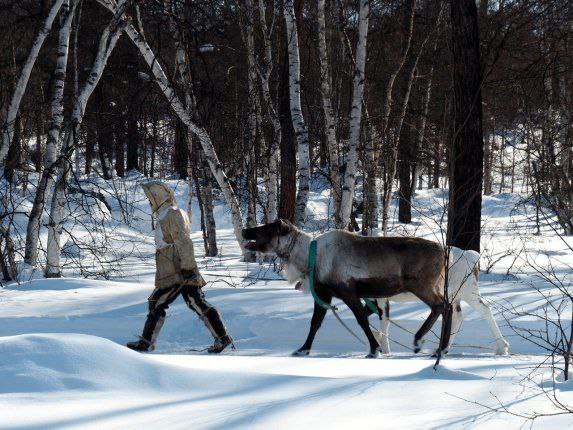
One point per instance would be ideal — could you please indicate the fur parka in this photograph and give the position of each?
(174, 246)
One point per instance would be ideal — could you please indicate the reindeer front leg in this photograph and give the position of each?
(348, 294)
(315, 323)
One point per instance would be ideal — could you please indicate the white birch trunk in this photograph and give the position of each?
(76, 74)
(184, 69)
(303, 150)
(190, 119)
(329, 120)
(271, 114)
(210, 226)
(108, 40)
(46, 181)
(355, 115)
(370, 189)
(205, 197)
(20, 88)
(253, 118)
(193, 124)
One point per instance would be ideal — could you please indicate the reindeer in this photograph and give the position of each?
(351, 267)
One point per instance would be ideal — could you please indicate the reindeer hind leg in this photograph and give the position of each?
(477, 303)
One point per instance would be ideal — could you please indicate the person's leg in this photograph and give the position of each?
(195, 299)
(158, 303)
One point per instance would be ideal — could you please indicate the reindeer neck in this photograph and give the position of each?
(299, 253)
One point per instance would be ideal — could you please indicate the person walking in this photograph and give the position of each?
(176, 272)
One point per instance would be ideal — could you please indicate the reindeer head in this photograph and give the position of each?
(266, 238)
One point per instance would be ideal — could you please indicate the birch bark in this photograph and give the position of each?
(192, 121)
(253, 117)
(301, 131)
(107, 43)
(355, 115)
(184, 69)
(205, 194)
(271, 115)
(20, 88)
(46, 179)
(329, 119)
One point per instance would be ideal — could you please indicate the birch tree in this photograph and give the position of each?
(329, 119)
(265, 70)
(301, 131)
(108, 40)
(184, 70)
(205, 198)
(57, 108)
(355, 115)
(253, 119)
(253, 116)
(191, 120)
(22, 84)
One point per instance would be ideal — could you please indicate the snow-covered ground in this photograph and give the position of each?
(62, 363)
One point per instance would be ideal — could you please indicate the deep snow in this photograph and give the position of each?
(62, 363)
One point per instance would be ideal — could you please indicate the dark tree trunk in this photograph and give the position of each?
(180, 150)
(436, 171)
(287, 196)
(103, 138)
(38, 154)
(119, 148)
(487, 166)
(466, 151)
(14, 157)
(104, 132)
(154, 140)
(405, 167)
(132, 141)
(91, 138)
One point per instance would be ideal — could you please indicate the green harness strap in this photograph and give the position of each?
(372, 306)
(318, 300)
(311, 263)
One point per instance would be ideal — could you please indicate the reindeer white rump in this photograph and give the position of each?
(462, 286)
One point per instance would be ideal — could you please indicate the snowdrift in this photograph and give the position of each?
(56, 362)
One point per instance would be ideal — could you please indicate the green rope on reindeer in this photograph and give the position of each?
(311, 264)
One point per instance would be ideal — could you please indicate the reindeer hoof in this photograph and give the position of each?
(444, 352)
(301, 353)
(418, 345)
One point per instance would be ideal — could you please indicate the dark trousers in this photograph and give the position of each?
(160, 300)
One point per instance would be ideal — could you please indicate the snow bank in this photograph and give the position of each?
(55, 362)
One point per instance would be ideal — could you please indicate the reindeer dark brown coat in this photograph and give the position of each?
(351, 267)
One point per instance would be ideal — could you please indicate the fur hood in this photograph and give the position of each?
(160, 195)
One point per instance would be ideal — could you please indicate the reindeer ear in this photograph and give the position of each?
(283, 227)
